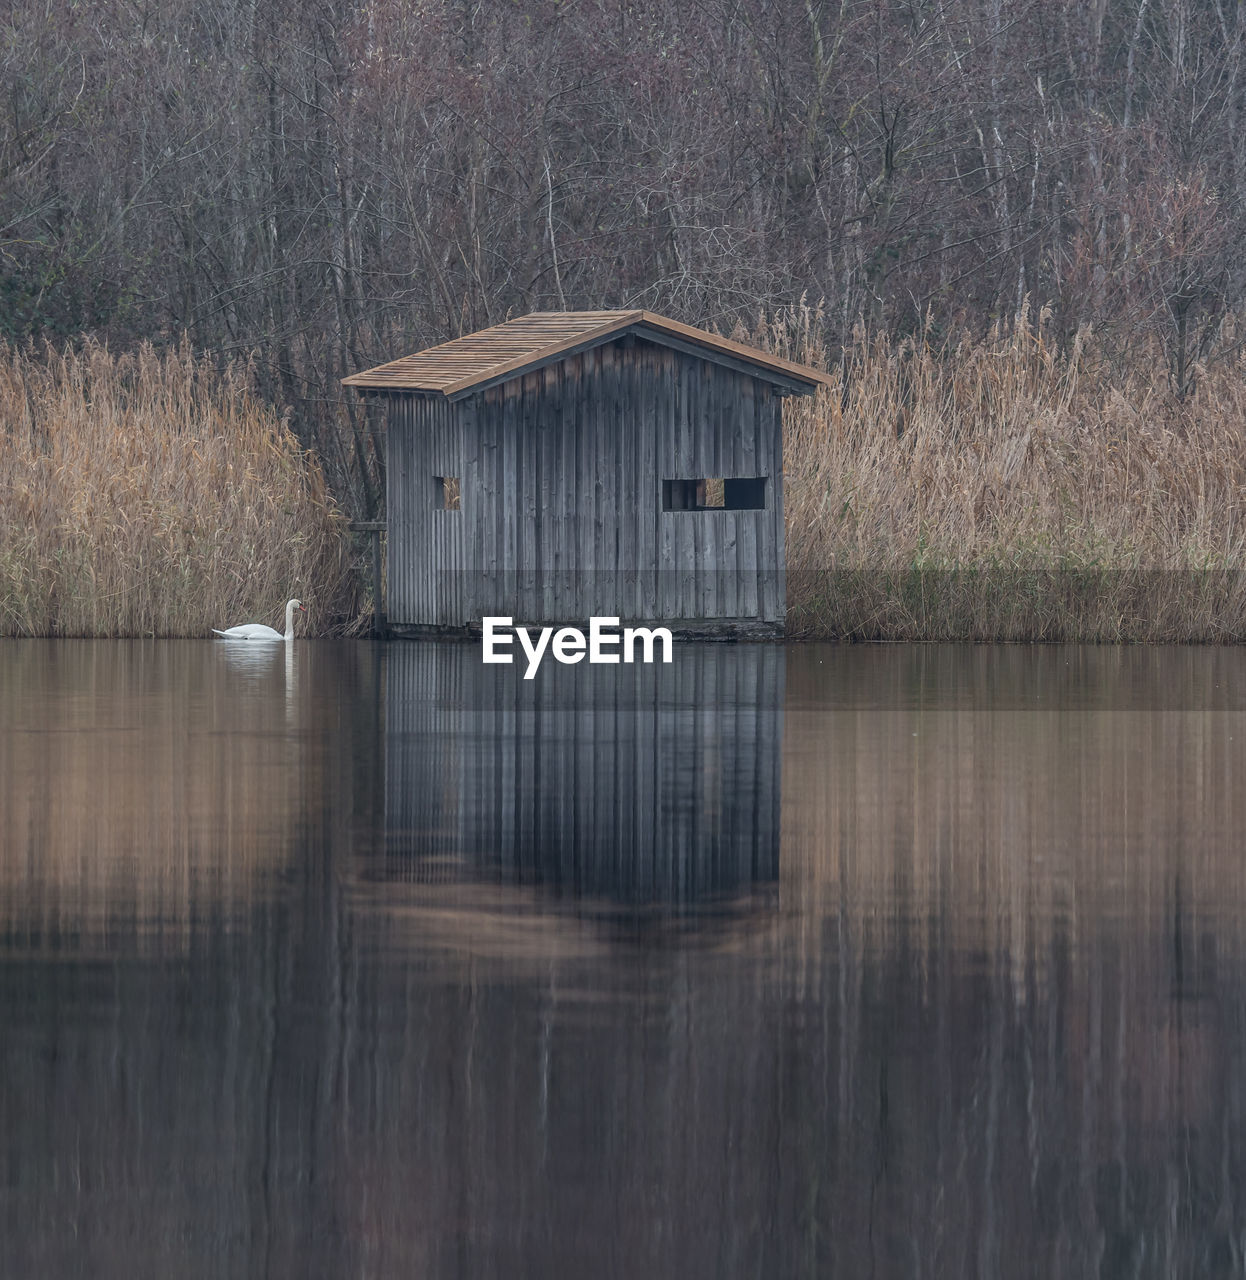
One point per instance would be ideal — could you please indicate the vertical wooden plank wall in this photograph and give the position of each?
(715, 422)
(428, 545)
(561, 476)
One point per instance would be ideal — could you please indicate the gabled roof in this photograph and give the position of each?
(519, 346)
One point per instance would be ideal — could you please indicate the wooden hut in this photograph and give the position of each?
(566, 465)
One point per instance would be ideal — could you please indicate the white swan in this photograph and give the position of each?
(258, 631)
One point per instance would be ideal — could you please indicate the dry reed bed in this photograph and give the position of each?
(997, 490)
(1002, 491)
(153, 494)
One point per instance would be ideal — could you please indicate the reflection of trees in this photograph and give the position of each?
(686, 1118)
(995, 1030)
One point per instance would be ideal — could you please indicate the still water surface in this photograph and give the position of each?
(350, 960)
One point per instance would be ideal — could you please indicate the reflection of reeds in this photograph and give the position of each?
(153, 495)
(1007, 489)
(999, 828)
(144, 785)
(1081, 861)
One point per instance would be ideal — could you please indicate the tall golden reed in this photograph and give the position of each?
(1002, 490)
(154, 495)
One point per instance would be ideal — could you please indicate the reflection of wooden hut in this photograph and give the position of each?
(641, 784)
(566, 464)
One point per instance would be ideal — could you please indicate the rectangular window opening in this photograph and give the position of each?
(446, 494)
(740, 493)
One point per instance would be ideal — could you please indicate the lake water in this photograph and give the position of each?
(348, 959)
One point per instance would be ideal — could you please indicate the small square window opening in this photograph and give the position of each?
(446, 493)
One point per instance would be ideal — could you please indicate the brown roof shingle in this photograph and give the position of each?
(533, 340)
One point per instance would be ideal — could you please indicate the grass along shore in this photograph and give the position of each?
(1003, 491)
(155, 495)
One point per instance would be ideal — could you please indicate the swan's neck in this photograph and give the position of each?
(290, 621)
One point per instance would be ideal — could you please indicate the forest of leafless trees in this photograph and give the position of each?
(330, 182)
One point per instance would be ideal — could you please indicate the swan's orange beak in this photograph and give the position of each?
(302, 609)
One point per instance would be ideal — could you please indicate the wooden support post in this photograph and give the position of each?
(375, 528)
(378, 603)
